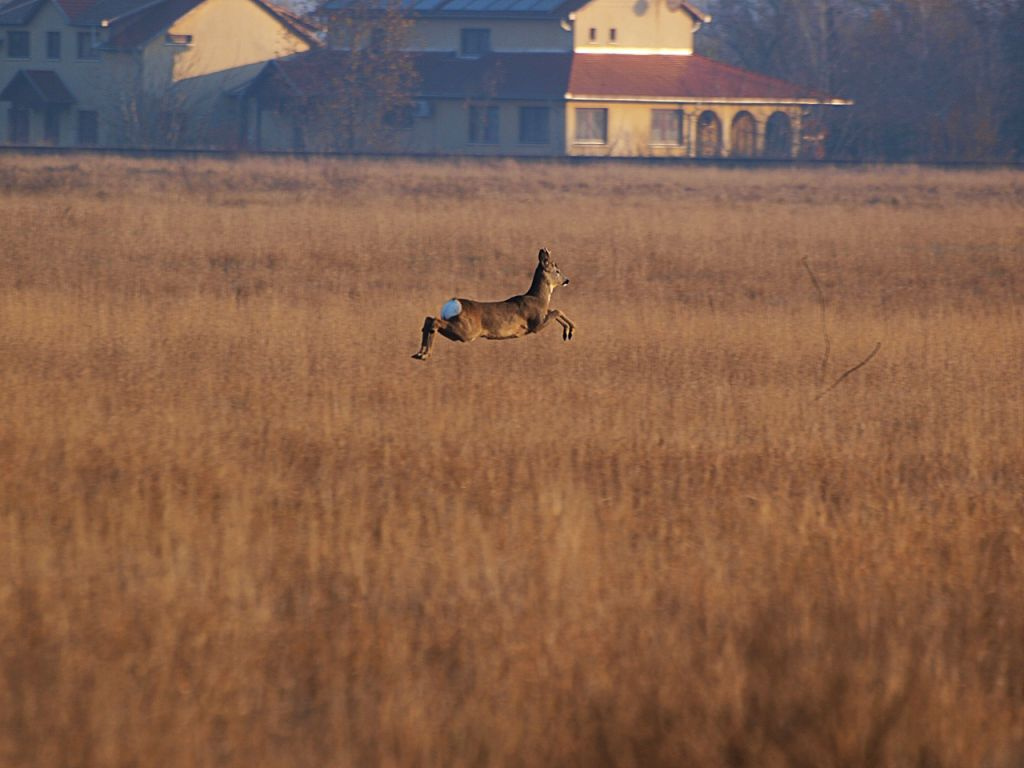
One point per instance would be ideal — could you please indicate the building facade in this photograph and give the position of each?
(542, 77)
(125, 73)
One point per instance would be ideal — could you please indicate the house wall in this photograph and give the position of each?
(230, 39)
(95, 84)
(638, 24)
(629, 128)
(226, 34)
(507, 35)
(446, 131)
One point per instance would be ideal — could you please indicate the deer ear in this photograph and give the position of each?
(543, 257)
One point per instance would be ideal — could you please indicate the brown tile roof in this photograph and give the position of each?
(622, 76)
(74, 8)
(464, 9)
(38, 87)
(496, 75)
(94, 12)
(133, 29)
(442, 75)
(135, 22)
(547, 76)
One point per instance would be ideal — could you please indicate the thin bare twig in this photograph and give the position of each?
(824, 324)
(861, 364)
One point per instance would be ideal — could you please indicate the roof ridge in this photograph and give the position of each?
(301, 25)
(131, 12)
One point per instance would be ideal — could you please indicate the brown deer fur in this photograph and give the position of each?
(509, 319)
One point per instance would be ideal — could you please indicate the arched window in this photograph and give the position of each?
(744, 135)
(778, 136)
(709, 135)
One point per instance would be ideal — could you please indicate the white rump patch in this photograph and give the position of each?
(451, 309)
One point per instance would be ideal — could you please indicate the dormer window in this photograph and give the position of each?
(475, 42)
(173, 39)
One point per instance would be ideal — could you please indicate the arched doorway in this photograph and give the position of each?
(744, 135)
(778, 136)
(709, 135)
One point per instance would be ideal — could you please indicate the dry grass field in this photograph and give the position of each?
(239, 526)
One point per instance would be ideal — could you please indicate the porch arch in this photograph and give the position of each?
(709, 134)
(778, 136)
(744, 135)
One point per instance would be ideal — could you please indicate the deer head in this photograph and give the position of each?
(552, 274)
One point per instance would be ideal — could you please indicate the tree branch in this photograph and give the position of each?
(861, 364)
(824, 325)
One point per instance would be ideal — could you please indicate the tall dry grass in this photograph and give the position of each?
(240, 527)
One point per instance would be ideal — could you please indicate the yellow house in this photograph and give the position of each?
(556, 78)
(132, 72)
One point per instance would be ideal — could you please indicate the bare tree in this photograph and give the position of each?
(931, 79)
(366, 102)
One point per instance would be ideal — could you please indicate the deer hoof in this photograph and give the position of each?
(419, 356)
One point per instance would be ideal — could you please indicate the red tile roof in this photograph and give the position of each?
(622, 76)
(443, 75)
(551, 76)
(495, 76)
(483, 9)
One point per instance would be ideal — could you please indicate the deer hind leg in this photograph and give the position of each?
(431, 326)
(562, 320)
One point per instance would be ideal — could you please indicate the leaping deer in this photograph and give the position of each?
(465, 320)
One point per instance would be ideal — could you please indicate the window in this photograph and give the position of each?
(593, 34)
(86, 49)
(533, 125)
(667, 127)
(88, 127)
(612, 34)
(475, 42)
(17, 118)
(53, 45)
(744, 135)
(591, 125)
(483, 124)
(18, 44)
(173, 39)
(51, 125)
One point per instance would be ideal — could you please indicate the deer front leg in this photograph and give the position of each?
(430, 327)
(565, 322)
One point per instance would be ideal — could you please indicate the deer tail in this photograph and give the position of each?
(451, 309)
